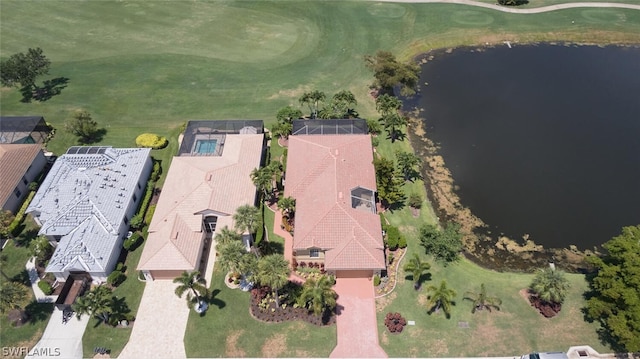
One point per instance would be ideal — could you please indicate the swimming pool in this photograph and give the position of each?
(205, 146)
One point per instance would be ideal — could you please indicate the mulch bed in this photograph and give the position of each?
(274, 314)
(548, 310)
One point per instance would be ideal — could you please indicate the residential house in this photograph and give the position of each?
(20, 164)
(332, 179)
(84, 206)
(205, 184)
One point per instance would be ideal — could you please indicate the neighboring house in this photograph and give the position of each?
(333, 181)
(84, 206)
(26, 129)
(206, 182)
(20, 164)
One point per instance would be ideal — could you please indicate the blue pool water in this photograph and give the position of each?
(206, 146)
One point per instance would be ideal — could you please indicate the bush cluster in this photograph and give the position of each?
(17, 221)
(116, 278)
(133, 242)
(45, 287)
(376, 280)
(394, 322)
(138, 220)
(151, 140)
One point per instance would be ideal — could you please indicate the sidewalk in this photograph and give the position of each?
(33, 277)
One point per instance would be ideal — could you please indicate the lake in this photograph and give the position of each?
(540, 140)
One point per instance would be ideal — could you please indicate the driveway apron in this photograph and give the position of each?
(158, 331)
(61, 340)
(357, 324)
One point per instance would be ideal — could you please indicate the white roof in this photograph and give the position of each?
(84, 199)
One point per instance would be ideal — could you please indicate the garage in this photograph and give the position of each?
(164, 274)
(354, 273)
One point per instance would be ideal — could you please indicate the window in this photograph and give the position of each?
(17, 192)
(210, 224)
(135, 198)
(139, 187)
(314, 253)
(24, 180)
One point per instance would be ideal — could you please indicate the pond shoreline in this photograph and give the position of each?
(490, 250)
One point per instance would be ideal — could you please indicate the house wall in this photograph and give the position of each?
(368, 273)
(14, 202)
(304, 255)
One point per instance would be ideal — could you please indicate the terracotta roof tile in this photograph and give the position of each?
(321, 173)
(15, 160)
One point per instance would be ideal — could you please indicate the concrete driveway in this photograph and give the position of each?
(59, 340)
(158, 331)
(357, 324)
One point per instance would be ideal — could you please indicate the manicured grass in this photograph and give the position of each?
(149, 66)
(100, 335)
(514, 330)
(14, 268)
(228, 330)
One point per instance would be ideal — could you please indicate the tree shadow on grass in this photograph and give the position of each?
(212, 300)
(25, 237)
(45, 92)
(38, 312)
(22, 277)
(95, 137)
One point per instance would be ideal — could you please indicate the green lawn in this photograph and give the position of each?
(14, 268)
(516, 329)
(228, 330)
(150, 66)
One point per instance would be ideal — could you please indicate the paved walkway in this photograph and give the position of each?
(357, 324)
(160, 325)
(61, 341)
(34, 278)
(515, 10)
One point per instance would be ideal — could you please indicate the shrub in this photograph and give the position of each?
(116, 278)
(33, 186)
(151, 140)
(375, 141)
(120, 267)
(376, 280)
(155, 172)
(17, 220)
(45, 287)
(132, 243)
(137, 221)
(402, 242)
(415, 200)
(393, 237)
(374, 126)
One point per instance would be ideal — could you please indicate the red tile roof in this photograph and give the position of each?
(321, 172)
(15, 160)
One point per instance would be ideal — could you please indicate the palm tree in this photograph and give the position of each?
(312, 99)
(194, 285)
(247, 219)
(226, 235)
(3, 262)
(343, 103)
(550, 285)
(393, 122)
(417, 268)
(317, 295)
(482, 301)
(230, 254)
(97, 303)
(273, 271)
(261, 178)
(275, 169)
(441, 297)
(287, 205)
(248, 266)
(406, 163)
(387, 105)
(13, 295)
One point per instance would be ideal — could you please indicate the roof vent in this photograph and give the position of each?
(208, 177)
(174, 235)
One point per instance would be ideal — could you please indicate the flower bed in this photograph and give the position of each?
(394, 322)
(263, 308)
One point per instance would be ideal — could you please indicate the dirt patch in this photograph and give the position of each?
(274, 346)
(302, 354)
(231, 345)
(290, 93)
(384, 338)
(438, 347)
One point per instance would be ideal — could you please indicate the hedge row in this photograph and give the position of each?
(138, 220)
(17, 221)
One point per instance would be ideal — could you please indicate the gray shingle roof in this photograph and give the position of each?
(84, 199)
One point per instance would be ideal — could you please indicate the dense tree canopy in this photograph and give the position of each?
(388, 182)
(22, 69)
(616, 289)
(6, 217)
(388, 72)
(444, 245)
(313, 100)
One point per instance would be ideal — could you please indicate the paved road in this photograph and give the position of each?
(513, 10)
